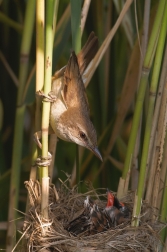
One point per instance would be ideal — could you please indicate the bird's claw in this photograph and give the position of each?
(37, 136)
(51, 97)
(44, 161)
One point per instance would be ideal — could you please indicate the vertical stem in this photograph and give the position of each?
(164, 201)
(142, 88)
(153, 140)
(47, 77)
(153, 88)
(84, 14)
(76, 44)
(144, 38)
(77, 166)
(19, 121)
(76, 24)
(53, 137)
(46, 105)
(40, 23)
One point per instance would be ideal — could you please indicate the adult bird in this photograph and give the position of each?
(69, 114)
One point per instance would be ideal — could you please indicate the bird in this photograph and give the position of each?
(115, 211)
(121, 207)
(81, 220)
(91, 221)
(69, 114)
(78, 224)
(110, 198)
(98, 221)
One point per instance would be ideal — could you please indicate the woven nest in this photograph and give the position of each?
(64, 205)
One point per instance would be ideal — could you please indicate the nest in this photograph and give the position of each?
(64, 204)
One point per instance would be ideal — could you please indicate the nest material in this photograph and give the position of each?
(65, 205)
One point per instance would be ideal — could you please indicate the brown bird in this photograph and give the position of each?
(69, 115)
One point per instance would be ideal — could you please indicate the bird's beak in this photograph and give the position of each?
(97, 153)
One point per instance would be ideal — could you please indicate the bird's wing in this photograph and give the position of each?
(84, 57)
(73, 92)
(88, 52)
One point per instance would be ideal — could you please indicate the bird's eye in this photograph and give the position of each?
(82, 135)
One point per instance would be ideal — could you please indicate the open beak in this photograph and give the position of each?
(97, 153)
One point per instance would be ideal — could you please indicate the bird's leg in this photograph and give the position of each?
(42, 161)
(51, 97)
(38, 136)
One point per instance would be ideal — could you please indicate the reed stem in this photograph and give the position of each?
(19, 121)
(141, 94)
(76, 44)
(153, 89)
(46, 105)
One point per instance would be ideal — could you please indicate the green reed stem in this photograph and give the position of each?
(46, 105)
(76, 24)
(76, 44)
(153, 89)
(19, 120)
(141, 93)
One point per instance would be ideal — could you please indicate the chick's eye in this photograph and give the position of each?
(82, 135)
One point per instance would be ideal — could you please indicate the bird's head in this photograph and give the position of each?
(80, 130)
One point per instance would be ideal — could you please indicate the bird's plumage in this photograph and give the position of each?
(69, 115)
(93, 219)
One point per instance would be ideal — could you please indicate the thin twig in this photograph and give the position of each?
(84, 14)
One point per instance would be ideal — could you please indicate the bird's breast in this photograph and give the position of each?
(57, 108)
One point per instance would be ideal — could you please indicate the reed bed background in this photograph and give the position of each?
(127, 95)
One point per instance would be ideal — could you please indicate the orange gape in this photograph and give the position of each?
(110, 199)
